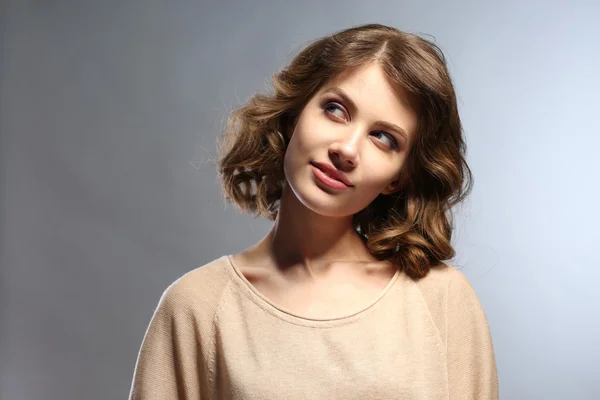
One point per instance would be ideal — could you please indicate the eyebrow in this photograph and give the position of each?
(352, 105)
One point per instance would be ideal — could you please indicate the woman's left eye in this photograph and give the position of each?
(392, 142)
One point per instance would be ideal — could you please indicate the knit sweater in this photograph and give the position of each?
(213, 335)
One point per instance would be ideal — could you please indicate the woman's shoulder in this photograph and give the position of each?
(450, 298)
(443, 277)
(205, 275)
(446, 286)
(198, 289)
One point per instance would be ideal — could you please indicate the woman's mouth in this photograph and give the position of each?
(327, 180)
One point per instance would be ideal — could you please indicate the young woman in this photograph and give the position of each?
(357, 157)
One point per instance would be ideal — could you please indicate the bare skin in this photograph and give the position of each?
(312, 262)
(314, 289)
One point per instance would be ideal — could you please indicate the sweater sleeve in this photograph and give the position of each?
(472, 370)
(167, 367)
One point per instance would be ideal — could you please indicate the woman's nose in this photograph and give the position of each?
(346, 148)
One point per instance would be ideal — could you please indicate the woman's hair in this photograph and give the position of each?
(411, 227)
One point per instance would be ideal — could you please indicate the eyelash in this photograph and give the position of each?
(339, 106)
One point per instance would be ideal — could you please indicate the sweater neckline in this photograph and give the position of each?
(283, 313)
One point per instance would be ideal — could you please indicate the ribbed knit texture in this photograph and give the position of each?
(214, 336)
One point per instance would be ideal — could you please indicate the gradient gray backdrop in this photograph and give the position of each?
(109, 112)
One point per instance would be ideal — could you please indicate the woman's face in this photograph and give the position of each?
(354, 136)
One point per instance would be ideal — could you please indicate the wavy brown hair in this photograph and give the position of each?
(411, 227)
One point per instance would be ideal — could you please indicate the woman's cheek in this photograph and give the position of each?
(375, 183)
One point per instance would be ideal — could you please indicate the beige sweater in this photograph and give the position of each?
(215, 336)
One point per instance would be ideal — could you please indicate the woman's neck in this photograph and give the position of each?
(303, 239)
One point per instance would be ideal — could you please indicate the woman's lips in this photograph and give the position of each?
(332, 172)
(328, 180)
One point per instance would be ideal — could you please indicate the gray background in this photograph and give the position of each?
(109, 112)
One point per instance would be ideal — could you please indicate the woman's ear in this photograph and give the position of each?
(392, 187)
(397, 184)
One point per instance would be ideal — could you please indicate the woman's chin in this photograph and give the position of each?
(323, 203)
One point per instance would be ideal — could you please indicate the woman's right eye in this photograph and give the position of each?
(334, 106)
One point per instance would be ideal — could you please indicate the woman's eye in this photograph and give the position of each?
(334, 106)
(331, 107)
(392, 142)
